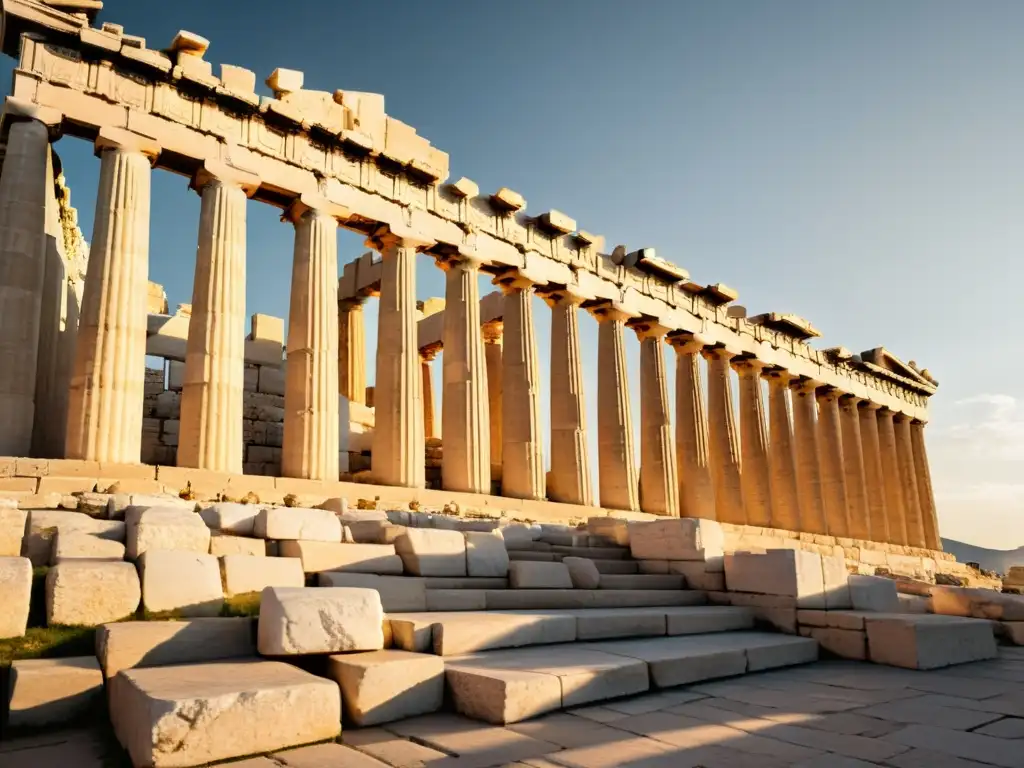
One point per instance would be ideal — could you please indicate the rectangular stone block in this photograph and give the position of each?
(241, 574)
(456, 599)
(129, 644)
(12, 530)
(928, 642)
(845, 643)
(456, 634)
(975, 603)
(698, 576)
(229, 517)
(156, 711)
(271, 380)
(187, 583)
(222, 544)
(835, 582)
(502, 696)
(319, 556)
(873, 593)
(91, 592)
(45, 691)
(319, 620)
(428, 552)
(524, 574)
(785, 572)
(397, 593)
(43, 525)
(75, 545)
(676, 539)
(609, 530)
(15, 592)
(296, 523)
(486, 555)
(382, 686)
(165, 528)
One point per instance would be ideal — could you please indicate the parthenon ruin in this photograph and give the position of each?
(837, 450)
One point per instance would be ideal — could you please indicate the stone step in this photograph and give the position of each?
(617, 566)
(539, 557)
(448, 634)
(594, 553)
(578, 539)
(642, 581)
(562, 599)
(48, 691)
(507, 686)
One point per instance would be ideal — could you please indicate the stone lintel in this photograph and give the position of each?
(719, 294)
(838, 354)
(215, 170)
(556, 221)
(189, 43)
(647, 260)
(18, 109)
(587, 238)
(282, 81)
(127, 141)
(464, 188)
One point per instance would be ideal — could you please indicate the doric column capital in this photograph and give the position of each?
(850, 402)
(492, 331)
(868, 405)
(919, 423)
(609, 310)
(647, 327)
(351, 303)
(19, 110)
(217, 170)
(451, 261)
(718, 352)
(886, 413)
(429, 353)
(389, 237)
(554, 295)
(828, 394)
(748, 366)
(778, 377)
(309, 205)
(513, 280)
(804, 385)
(126, 141)
(685, 342)
(899, 417)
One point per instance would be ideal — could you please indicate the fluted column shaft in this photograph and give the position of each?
(782, 456)
(908, 481)
(808, 462)
(723, 439)
(874, 477)
(352, 350)
(833, 477)
(570, 465)
(617, 474)
(693, 455)
(756, 476)
(894, 499)
(492, 337)
(522, 461)
(210, 435)
(23, 191)
(659, 479)
(924, 487)
(105, 403)
(398, 450)
(464, 409)
(310, 448)
(431, 428)
(853, 466)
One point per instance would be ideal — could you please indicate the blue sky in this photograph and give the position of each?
(859, 164)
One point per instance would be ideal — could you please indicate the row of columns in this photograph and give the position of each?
(823, 461)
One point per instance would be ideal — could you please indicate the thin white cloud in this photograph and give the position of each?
(987, 426)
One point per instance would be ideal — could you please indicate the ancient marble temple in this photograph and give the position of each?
(769, 431)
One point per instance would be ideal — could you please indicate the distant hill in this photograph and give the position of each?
(997, 560)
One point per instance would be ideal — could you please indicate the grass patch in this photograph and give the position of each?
(49, 643)
(247, 605)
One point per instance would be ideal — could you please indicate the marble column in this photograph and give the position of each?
(894, 499)
(105, 401)
(466, 465)
(431, 427)
(398, 442)
(522, 460)
(693, 456)
(723, 439)
(617, 475)
(570, 465)
(210, 432)
(492, 336)
(874, 477)
(756, 476)
(830, 448)
(310, 448)
(908, 481)
(808, 462)
(782, 455)
(853, 466)
(924, 487)
(352, 349)
(659, 479)
(23, 192)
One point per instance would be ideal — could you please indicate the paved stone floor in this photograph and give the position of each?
(828, 715)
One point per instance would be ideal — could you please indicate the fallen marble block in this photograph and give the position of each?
(382, 686)
(90, 592)
(15, 592)
(319, 620)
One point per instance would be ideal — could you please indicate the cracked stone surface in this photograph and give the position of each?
(320, 620)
